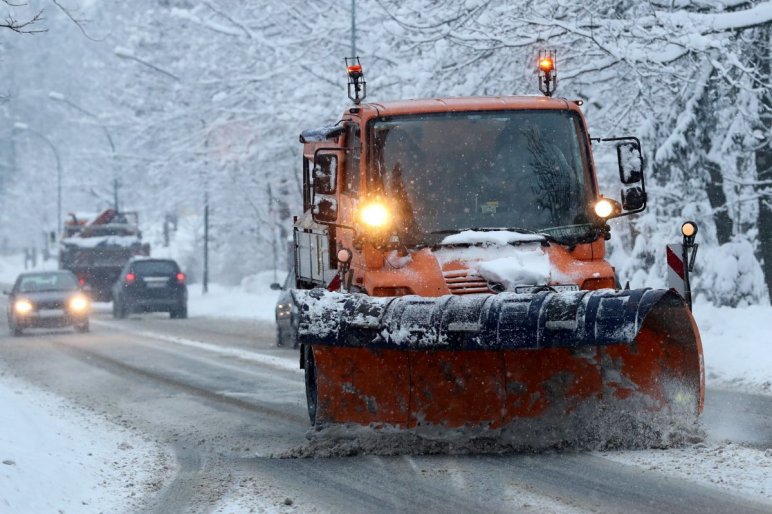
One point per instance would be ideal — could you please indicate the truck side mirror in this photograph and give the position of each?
(630, 162)
(633, 198)
(325, 171)
(631, 174)
(325, 209)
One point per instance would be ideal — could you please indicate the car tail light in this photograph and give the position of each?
(181, 278)
(130, 278)
(82, 281)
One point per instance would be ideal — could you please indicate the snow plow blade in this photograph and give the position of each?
(493, 361)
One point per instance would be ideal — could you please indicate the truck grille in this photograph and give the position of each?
(463, 282)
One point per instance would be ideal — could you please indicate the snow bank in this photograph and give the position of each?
(12, 265)
(57, 457)
(731, 276)
(252, 299)
(737, 344)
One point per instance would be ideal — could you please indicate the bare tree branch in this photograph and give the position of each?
(22, 27)
(229, 18)
(80, 23)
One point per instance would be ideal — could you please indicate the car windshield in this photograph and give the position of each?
(47, 282)
(495, 170)
(158, 268)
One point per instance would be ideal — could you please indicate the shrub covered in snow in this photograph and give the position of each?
(731, 276)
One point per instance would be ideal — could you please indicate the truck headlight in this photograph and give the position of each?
(375, 215)
(79, 304)
(604, 208)
(22, 306)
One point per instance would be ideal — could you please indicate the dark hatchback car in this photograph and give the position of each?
(150, 285)
(286, 313)
(47, 299)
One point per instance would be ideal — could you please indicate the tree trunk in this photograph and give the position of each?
(717, 199)
(764, 160)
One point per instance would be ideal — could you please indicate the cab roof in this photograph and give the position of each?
(470, 103)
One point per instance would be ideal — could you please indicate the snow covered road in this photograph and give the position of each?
(218, 396)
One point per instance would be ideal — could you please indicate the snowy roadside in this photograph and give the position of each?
(12, 265)
(58, 457)
(731, 467)
(737, 346)
(232, 302)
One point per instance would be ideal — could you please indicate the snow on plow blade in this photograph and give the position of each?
(491, 361)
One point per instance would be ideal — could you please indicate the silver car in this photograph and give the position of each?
(286, 313)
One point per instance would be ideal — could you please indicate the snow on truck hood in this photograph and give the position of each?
(495, 259)
(500, 237)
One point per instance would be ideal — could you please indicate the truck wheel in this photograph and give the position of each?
(83, 327)
(15, 331)
(311, 392)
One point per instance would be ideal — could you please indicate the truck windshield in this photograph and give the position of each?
(448, 172)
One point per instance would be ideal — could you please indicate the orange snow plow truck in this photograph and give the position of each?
(451, 271)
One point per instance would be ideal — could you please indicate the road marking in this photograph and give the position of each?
(270, 360)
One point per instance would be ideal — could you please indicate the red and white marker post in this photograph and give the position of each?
(680, 262)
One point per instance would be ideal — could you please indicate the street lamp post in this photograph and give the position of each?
(25, 127)
(59, 97)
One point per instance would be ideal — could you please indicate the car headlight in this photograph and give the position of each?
(22, 306)
(79, 304)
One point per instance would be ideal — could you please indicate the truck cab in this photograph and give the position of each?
(406, 188)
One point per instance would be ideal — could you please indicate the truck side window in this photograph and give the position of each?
(353, 158)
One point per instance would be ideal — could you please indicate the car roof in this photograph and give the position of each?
(150, 259)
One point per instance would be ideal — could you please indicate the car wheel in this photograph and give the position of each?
(179, 312)
(123, 310)
(115, 308)
(279, 336)
(311, 390)
(83, 327)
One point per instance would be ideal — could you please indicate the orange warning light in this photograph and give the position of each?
(354, 70)
(546, 64)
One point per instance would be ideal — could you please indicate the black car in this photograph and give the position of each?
(47, 299)
(286, 313)
(150, 285)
